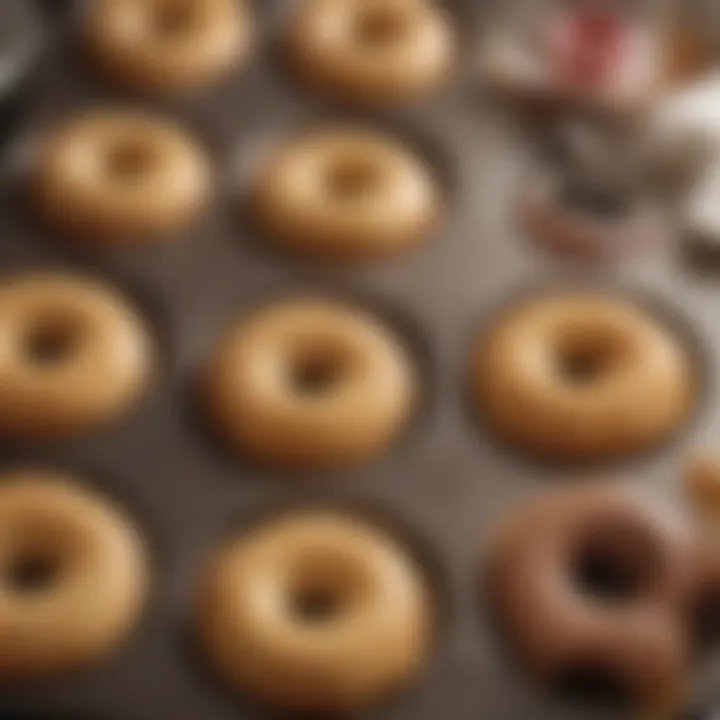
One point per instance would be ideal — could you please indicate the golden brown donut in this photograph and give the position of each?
(309, 383)
(75, 575)
(595, 577)
(372, 51)
(111, 175)
(167, 46)
(346, 194)
(73, 355)
(315, 611)
(582, 376)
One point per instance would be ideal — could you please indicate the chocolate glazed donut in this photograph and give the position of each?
(592, 578)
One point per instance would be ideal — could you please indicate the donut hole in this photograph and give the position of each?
(31, 573)
(353, 179)
(316, 376)
(324, 586)
(379, 27)
(315, 605)
(318, 370)
(319, 598)
(581, 366)
(615, 564)
(588, 683)
(584, 361)
(51, 341)
(129, 161)
(173, 19)
(601, 573)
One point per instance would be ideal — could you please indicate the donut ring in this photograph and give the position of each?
(309, 384)
(167, 46)
(111, 175)
(574, 232)
(346, 195)
(76, 576)
(582, 376)
(315, 612)
(372, 51)
(73, 356)
(594, 576)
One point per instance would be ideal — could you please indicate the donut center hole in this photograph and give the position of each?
(129, 161)
(316, 375)
(32, 573)
(585, 363)
(616, 563)
(51, 343)
(589, 684)
(316, 605)
(580, 368)
(605, 575)
(173, 19)
(380, 27)
(352, 181)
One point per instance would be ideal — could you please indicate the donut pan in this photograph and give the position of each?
(441, 487)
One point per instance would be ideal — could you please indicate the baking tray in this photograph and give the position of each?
(443, 485)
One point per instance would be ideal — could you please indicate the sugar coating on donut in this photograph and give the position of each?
(118, 176)
(74, 356)
(583, 376)
(167, 46)
(346, 194)
(371, 51)
(75, 573)
(309, 384)
(315, 611)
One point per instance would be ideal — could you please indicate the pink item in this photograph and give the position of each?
(587, 47)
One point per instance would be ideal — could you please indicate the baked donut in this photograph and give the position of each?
(315, 612)
(309, 383)
(346, 194)
(580, 376)
(111, 175)
(73, 355)
(371, 51)
(167, 46)
(594, 578)
(75, 576)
